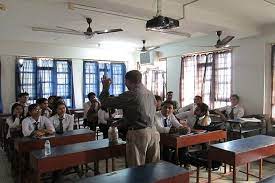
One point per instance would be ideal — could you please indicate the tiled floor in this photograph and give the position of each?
(269, 169)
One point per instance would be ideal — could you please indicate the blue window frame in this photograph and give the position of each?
(43, 77)
(93, 71)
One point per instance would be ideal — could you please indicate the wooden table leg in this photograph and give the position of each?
(113, 164)
(107, 166)
(209, 170)
(224, 168)
(247, 171)
(177, 155)
(36, 177)
(96, 167)
(234, 174)
(198, 175)
(260, 169)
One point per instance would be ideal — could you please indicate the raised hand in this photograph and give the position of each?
(106, 82)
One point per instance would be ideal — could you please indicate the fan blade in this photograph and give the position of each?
(107, 31)
(60, 31)
(226, 40)
(184, 34)
(152, 48)
(67, 29)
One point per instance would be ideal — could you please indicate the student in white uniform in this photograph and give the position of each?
(62, 121)
(22, 99)
(103, 117)
(35, 122)
(165, 120)
(90, 111)
(43, 104)
(191, 107)
(196, 116)
(234, 111)
(14, 121)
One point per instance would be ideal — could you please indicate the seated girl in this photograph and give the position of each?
(62, 121)
(14, 121)
(35, 124)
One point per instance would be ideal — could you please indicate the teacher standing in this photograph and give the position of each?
(138, 104)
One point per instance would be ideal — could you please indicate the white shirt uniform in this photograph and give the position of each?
(28, 125)
(47, 113)
(191, 118)
(238, 111)
(170, 120)
(103, 116)
(12, 124)
(86, 107)
(67, 122)
(190, 107)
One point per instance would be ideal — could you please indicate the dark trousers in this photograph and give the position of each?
(104, 129)
(91, 125)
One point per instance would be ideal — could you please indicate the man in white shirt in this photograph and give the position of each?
(62, 122)
(165, 120)
(90, 111)
(35, 122)
(234, 111)
(191, 107)
(43, 104)
(169, 97)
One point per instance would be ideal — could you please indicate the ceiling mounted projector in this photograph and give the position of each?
(161, 22)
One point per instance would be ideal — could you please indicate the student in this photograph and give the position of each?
(33, 124)
(51, 100)
(14, 121)
(103, 118)
(23, 100)
(234, 111)
(90, 111)
(159, 101)
(61, 119)
(165, 120)
(191, 107)
(43, 104)
(199, 116)
(55, 101)
(202, 117)
(169, 97)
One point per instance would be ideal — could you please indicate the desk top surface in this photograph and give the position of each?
(65, 134)
(268, 180)
(194, 133)
(75, 148)
(246, 144)
(149, 173)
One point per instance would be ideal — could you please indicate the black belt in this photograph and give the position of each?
(137, 127)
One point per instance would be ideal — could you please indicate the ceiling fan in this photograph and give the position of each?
(222, 43)
(145, 49)
(89, 33)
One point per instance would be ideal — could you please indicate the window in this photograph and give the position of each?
(207, 75)
(155, 81)
(43, 77)
(93, 71)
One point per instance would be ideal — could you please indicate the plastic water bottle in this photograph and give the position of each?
(113, 135)
(47, 148)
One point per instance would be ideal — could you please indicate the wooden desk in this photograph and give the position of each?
(27, 144)
(63, 157)
(177, 141)
(161, 172)
(240, 123)
(242, 151)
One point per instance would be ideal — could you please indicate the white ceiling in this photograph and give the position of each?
(241, 18)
